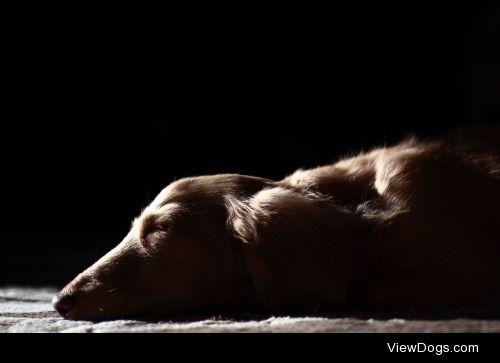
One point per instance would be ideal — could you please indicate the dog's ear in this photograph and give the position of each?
(299, 248)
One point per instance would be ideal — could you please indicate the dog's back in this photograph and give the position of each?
(435, 209)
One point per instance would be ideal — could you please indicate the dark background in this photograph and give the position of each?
(106, 105)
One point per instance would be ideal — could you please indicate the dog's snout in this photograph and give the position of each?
(63, 303)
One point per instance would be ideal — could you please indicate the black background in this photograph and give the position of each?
(106, 105)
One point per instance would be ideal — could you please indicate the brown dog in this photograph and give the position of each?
(414, 225)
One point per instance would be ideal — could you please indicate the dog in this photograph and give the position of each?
(415, 225)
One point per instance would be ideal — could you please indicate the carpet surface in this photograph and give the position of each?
(25, 310)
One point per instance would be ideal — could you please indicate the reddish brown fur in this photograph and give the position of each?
(414, 225)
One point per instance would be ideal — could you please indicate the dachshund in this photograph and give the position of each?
(415, 225)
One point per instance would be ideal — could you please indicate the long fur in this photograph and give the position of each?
(412, 225)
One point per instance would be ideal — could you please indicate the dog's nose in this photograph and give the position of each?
(63, 303)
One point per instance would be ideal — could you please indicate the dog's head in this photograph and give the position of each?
(225, 242)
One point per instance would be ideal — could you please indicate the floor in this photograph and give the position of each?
(25, 310)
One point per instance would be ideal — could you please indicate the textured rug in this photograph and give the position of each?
(27, 310)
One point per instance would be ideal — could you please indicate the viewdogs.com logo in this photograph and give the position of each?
(437, 349)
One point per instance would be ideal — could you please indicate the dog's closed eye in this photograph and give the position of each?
(154, 226)
(154, 236)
